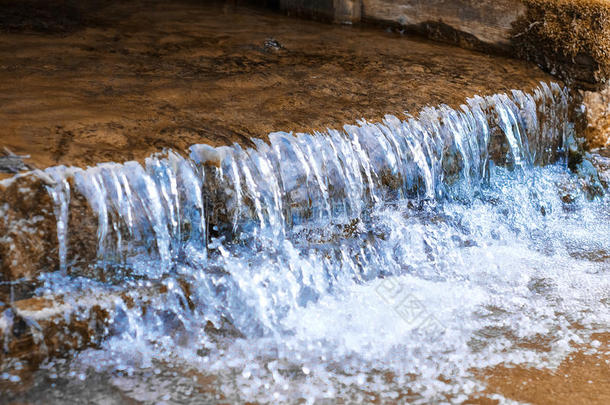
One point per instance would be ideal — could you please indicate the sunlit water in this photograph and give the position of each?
(385, 262)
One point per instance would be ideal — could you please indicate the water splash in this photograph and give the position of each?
(403, 303)
(388, 258)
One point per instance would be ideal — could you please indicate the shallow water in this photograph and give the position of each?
(334, 282)
(124, 79)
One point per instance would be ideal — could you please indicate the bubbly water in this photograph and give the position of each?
(384, 261)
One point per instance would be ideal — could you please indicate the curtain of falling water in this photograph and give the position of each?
(172, 202)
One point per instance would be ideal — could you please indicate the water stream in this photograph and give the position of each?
(383, 261)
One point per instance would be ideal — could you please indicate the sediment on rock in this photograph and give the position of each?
(569, 38)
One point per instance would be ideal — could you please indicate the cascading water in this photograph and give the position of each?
(311, 179)
(387, 260)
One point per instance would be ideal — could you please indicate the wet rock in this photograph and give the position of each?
(470, 23)
(82, 235)
(28, 241)
(424, 157)
(601, 161)
(35, 328)
(272, 45)
(591, 183)
(11, 163)
(596, 106)
(28, 225)
(580, 162)
(575, 152)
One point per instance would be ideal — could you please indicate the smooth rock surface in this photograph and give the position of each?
(487, 21)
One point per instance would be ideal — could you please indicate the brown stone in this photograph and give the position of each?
(28, 240)
(597, 108)
(486, 22)
(35, 328)
(82, 235)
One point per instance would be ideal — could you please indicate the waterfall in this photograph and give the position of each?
(60, 194)
(393, 258)
(171, 202)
